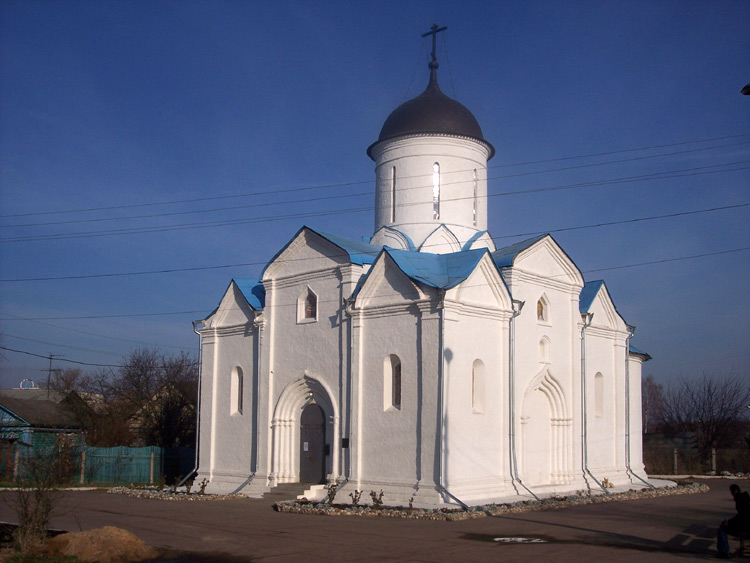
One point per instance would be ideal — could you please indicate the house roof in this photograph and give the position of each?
(437, 270)
(35, 394)
(253, 292)
(637, 352)
(40, 413)
(505, 257)
(588, 294)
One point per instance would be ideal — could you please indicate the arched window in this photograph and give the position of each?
(307, 307)
(474, 220)
(236, 391)
(477, 387)
(393, 195)
(598, 395)
(542, 310)
(391, 383)
(436, 191)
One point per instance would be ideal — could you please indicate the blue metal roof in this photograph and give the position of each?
(504, 257)
(359, 252)
(588, 293)
(474, 237)
(253, 292)
(637, 352)
(437, 270)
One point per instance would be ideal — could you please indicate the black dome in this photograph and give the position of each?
(432, 112)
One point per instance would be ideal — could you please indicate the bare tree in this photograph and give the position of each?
(713, 408)
(652, 403)
(150, 400)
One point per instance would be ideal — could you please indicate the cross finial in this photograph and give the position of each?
(434, 30)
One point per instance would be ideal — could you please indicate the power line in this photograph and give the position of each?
(60, 359)
(261, 263)
(679, 173)
(346, 184)
(609, 268)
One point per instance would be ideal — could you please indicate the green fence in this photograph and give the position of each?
(135, 465)
(90, 465)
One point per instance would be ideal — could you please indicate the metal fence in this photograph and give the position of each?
(119, 465)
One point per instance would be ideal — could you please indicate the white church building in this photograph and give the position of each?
(426, 363)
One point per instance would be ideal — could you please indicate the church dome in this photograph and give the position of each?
(432, 113)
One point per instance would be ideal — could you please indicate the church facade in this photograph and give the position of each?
(427, 362)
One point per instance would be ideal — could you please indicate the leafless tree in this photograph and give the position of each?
(652, 403)
(713, 408)
(150, 400)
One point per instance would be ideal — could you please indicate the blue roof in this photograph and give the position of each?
(253, 292)
(437, 270)
(359, 252)
(637, 352)
(473, 238)
(588, 293)
(504, 257)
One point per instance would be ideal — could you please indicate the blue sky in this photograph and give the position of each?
(171, 117)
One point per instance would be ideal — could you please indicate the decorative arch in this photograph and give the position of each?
(237, 391)
(441, 241)
(546, 432)
(544, 350)
(285, 427)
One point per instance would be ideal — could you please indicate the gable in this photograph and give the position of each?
(440, 241)
(484, 287)
(233, 309)
(545, 259)
(605, 312)
(386, 284)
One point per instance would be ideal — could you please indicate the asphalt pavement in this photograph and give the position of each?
(670, 528)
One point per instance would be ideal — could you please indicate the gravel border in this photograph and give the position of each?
(453, 514)
(168, 494)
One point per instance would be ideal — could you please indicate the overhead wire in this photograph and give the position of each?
(368, 181)
(662, 175)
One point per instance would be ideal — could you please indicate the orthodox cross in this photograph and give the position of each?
(434, 30)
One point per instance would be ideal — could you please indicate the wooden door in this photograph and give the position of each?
(312, 437)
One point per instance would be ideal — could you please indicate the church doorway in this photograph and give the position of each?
(312, 437)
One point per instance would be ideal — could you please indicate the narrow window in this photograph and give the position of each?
(436, 191)
(307, 307)
(393, 195)
(598, 395)
(477, 387)
(391, 383)
(311, 306)
(236, 391)
(542, 310)
(475, 199)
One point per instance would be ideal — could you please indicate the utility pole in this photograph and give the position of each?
(49, 372)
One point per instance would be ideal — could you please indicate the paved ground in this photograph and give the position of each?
(665, 529)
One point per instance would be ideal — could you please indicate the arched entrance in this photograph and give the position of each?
(312, 438)
(305, 424)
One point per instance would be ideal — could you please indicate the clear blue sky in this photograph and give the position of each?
(131, 109)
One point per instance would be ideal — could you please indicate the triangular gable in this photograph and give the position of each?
(595, 299)
(541, 256)
(385, 283)
(484, 286)
(338, 249)
(235, 308)
(441, 241)
(10, 418)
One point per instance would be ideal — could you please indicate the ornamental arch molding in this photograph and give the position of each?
(285, 428)
(546, 432)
